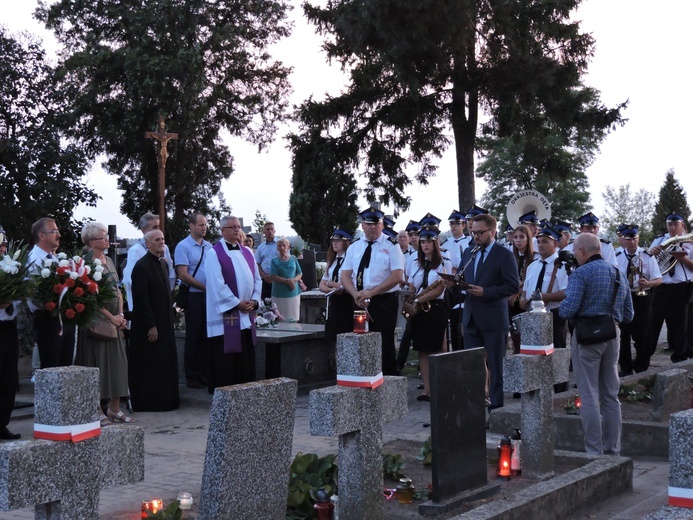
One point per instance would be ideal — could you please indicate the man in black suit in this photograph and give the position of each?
(492, 277)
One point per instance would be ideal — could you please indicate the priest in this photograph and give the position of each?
(153, 360)
(234, 287)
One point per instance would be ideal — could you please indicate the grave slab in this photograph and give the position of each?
(671, 393)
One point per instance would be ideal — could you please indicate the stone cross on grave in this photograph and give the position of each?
(356, 410)
(533, 375)
(163, 137)
(63, 478)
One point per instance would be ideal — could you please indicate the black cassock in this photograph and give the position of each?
(153, 366)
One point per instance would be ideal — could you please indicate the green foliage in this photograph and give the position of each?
(309, 473)
(426, 452)
(420, 72)
(259, 221)
(639, 391)
(393, 466)
(624, 207)
(172, 512)
(671, 198)
(205, 66)
(41, 170)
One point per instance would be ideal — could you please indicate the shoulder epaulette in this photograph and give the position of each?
(356, 240)
(571, 240)
(604, 241)
(443, 250)
(646, 252)
(445, 259)
(660, 236)
(618, 252)
(393, 240)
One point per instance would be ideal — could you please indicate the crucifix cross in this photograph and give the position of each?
(230, 318)
(163, 137)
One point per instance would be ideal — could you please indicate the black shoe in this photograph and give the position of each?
(419, 386)
(624, 373)
(423, 397)
(7, 435)
(517, 395)
(194, 383)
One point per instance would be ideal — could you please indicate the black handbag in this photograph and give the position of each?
(183, 296)
(597, 329)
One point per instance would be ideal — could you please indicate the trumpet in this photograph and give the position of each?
(665, 261)
(635, 275)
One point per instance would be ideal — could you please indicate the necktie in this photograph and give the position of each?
(540, 280)
(427, 269)
(365, 262)
(478, 265)
(335, 273)
(628, 264)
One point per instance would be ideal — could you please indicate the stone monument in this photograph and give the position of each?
(248, 458)
(355, 410)
(62, 478)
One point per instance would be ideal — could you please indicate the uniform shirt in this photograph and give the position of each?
(590, 290)
(188, 252)
(38, 258)
(330, 270)
(417, 272)
(607, 251)
(679, 273)
(5, 316)
(134, 254)
(454, 247)
(264, 254)
(533, 270)
(385, 258)
(650, 269)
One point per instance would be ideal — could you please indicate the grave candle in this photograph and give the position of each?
(151, 506)
(360, 322)
(578, 401)
(186, 500)
(505, 452)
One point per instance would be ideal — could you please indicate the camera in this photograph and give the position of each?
(567, 258)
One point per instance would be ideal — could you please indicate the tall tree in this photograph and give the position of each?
(324, 192)
(624, 207)
(671, 198)
(41, 172)
(204, 65)
(563, 180)
(421, 72)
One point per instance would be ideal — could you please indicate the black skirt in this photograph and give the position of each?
(340, 315)
(428, 328)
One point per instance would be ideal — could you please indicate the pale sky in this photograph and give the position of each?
(641, 55)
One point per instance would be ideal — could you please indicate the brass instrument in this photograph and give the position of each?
(665, 261)
(635, 275)
(524, 202)
(410, 309)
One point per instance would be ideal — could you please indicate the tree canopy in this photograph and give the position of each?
(622, 206)
(424, 74)
(205, 66)
(41, 172)
(672, 197)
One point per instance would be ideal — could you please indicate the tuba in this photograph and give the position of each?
(665, 261)
(524, 202)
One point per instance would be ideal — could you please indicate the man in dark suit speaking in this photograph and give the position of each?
(492, 277)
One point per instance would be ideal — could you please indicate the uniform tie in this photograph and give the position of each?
(365, 262)
(335, 273)
(427, 270)
(540, 280)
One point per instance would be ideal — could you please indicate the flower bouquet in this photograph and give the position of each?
(14, 271)
(267, 314)
(73, 289)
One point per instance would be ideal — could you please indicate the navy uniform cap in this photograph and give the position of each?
(429, 220)
(455, 216)
(589, 219)
(390, 232)
(476, 210)
(630, 231)
(509, 229)
(619, 229)
(429, 231)
(529, 218)
(413, 226)
(674, 217)
(371, 215)
(548, 231)
(341, 234)
(559, 226)
(388, 222)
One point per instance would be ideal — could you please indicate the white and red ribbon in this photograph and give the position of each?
(680, 497)
(360, 381)
(544, 350)
(72, 432)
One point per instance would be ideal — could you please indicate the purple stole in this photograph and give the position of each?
(232, 320)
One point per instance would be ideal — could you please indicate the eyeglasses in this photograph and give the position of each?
(480, 233)
(231, 227)
(102, 238)
(50, 231)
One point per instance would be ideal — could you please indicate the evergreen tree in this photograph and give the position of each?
(671, 198)
(204, 65)
(422, 71)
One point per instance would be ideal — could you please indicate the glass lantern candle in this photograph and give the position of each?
(185, 499)
(505, 453)
(405, 491)
(151, 506)
(360, 322)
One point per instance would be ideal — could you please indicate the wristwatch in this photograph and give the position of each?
(256, 305)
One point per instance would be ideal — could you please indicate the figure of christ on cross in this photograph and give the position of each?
(163, 137)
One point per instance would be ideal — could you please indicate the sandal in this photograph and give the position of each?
(119, 417)
(104, 421)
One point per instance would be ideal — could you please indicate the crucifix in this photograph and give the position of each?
(163, 137)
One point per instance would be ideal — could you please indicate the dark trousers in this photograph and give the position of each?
(493, 341)
(266, 290)
(670, 304)
(639, 331)
(55, 350)
(9, 375)
(383, 311)
(456, 298)
(404, 346)
(560, 330)
(232, 369)
(196, 357)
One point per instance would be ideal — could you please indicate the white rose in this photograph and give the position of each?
(74, 275)
(45, 273)
(76, 259)
(87, 269)
(8, 268)
(62, 256)
(97, 276)
(63, 263)
(47, 262)
(16, 254)
(97, 261)
(98, 269)
(260, 321)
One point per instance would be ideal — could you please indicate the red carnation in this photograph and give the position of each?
(69, 314)
(61, 270)
(69, 282)
(50, 306)
(84, 278)
(79, 307)
(78, 292)
(58, 288)
(92, 287)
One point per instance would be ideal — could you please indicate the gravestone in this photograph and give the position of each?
(458, 430)
(356, 410)
(533, 375)
(248, 457)
(307, 264)
(681, 459)
(671, 393)
(63, 478)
